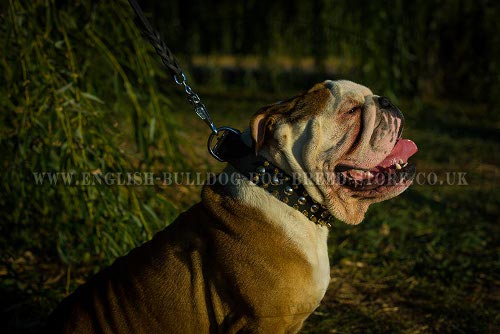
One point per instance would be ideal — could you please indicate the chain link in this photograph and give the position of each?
(195, 101)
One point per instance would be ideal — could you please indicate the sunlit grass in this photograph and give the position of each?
(79, 93)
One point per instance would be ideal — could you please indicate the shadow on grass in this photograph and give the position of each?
(21, 311)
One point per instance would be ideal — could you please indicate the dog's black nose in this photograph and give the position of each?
(384, 102)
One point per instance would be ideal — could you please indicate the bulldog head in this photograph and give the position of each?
(341, 142)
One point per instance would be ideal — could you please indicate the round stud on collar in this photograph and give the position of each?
(288, 190)
(271, 178)
(324, 223)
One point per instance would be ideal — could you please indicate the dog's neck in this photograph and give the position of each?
(286, 217)
(238, 151)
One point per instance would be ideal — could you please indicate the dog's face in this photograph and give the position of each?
(341, 142)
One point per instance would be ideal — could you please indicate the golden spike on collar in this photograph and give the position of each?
(287, 190)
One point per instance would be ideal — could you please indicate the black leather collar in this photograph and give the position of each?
(231, 148)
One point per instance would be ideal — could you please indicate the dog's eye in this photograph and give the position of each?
(354, 110)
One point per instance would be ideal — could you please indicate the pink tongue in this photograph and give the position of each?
(403, 149)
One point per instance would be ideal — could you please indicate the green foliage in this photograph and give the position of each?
(439, 48)
(79, 94)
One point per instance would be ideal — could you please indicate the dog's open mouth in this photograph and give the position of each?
(394, 170)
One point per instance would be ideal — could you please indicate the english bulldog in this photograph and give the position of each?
(252, 257)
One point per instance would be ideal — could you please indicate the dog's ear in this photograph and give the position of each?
(261, 124)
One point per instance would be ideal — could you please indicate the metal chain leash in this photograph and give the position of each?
(175, 70)
(195, 101)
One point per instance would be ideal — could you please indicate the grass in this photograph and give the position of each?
(78, 92)
(74, 99)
